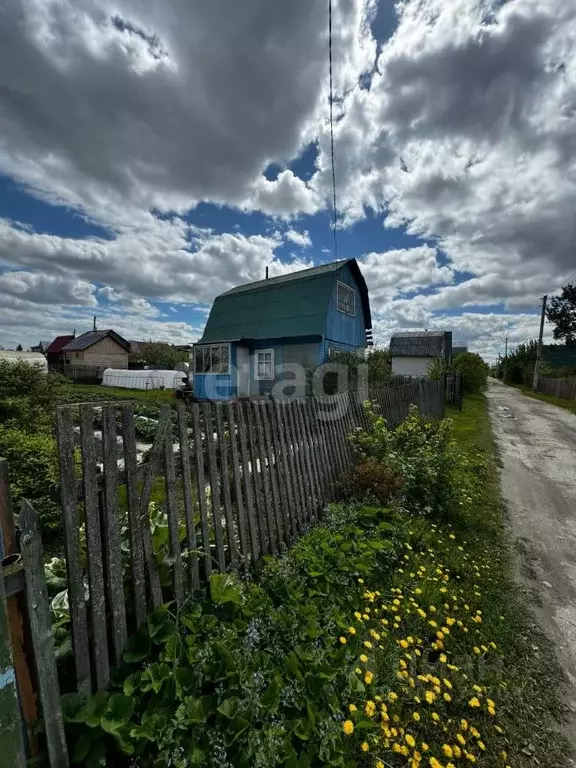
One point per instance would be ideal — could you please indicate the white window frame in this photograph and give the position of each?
(257, 353)
(348, 288)
(211, 347)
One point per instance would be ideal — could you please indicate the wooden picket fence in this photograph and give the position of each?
(564, 388)
(239, 480)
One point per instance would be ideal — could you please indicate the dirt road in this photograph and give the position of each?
(537, 444)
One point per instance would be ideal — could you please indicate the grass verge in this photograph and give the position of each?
(559, 402)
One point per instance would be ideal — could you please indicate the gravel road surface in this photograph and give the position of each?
(537, 445)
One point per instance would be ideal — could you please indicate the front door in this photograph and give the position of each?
(243, 366)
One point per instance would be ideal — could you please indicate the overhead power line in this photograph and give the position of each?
(335, 222)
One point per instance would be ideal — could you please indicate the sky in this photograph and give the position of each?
(154, 155)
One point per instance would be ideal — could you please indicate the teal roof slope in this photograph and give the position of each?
(280, 307)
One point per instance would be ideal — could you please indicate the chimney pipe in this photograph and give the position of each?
(266, 273)
(95, 323)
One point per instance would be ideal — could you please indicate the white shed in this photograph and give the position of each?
(31, 358)
(413, 351)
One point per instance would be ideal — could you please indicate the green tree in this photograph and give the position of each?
(562, 313)
(474, 371)
(19, 348)
(159, 354)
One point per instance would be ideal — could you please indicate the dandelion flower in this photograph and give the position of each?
(363, 658)
(368, 678)
(348, 727)
(474, 702)
(447, 750)
(410, 740)
(351, 630)
(364, 746)
(343, 640)
(416, 716)
(352, 708)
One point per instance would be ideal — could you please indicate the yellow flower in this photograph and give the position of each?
(343, 640)
(358, 671)
(363, 658)
(474, 702)
(425, 747)
(348, 727)
(416, 716)
(504, 755)
(430, 697)
(447, 697)
(351, 630)
(364, 746)
(436, 717)
(352, 708)
(460, 738)
(368, 678)
(379, 764)
(358, 615)
(360, 581)
(464, 725)
(434, 763)
(448, 751)
(477, 650)
(370, 708)
(410, 740)
(367, 644)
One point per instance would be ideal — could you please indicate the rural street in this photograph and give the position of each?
(537, 445)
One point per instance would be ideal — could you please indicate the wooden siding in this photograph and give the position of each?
(106, 353)
(340, 327)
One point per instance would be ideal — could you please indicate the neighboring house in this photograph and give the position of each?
(412, 352)
(257, 333)
(54, 352)
(459, 349)
(96, 350)
(41, 347)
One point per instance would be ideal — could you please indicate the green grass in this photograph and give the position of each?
(79, 392)
(559, 402)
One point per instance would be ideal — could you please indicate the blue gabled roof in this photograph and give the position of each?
(286, 306)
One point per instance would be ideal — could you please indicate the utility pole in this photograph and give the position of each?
(506, 352)
(536, 379)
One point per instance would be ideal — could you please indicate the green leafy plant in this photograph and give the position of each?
(418, 451)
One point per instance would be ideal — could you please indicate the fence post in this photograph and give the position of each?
(11, 746)
(42, 639)
(16, 610)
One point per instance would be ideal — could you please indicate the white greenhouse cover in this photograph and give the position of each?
(114, 377)
(32, 358)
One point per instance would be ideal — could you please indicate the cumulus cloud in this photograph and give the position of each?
(298, 238)
(467, 136)
(403, 270)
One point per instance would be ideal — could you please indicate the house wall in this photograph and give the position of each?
(106, 353)
(411, 366)
(342, 329)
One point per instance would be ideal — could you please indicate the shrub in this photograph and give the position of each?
(33, 469)
(418, 451)
(474, 372)
(371, 482)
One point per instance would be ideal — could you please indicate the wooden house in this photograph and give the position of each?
(272, 330)
(95, 350)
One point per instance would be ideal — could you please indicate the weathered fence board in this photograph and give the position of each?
(236, 474)
(134, 525)
(247, 483)
(223, 442)
(173, 520)
(201, 488)
(191, 542)
(214, 485)
(564, 388)
(10, 730)
(94, 548)
(75, 575)
(43, 641)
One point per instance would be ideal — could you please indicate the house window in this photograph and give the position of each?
(346, 299)
(212, 358)
(264, 364)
